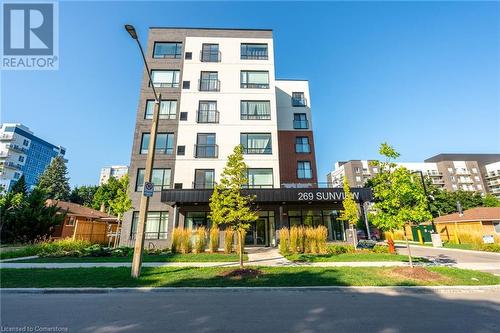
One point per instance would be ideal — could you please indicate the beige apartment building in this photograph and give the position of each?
(453, 172)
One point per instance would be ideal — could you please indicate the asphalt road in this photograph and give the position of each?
(253, 311)
(482, 261)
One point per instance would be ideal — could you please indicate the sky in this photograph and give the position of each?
(424, 77)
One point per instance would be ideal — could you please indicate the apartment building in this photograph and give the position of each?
(492, 177)
(219, 90)
(114, 171)
(23, 153)
(453, 172)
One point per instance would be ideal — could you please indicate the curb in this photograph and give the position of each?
(448, 249)
(18, 258)
(337, 289)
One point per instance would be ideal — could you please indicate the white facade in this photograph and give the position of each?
(115, 171)
(493, 178)
(286, 111)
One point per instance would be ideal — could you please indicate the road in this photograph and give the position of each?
(483, 261)
(368, 310)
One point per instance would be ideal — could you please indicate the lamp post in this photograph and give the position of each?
(426, 197)
(143, 208)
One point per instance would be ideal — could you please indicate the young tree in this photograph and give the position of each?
(20, 186)
(83, 195)
(105, 194)
(54, 181)
(399, 198)
(121, 203)
(228, 205)
(489, 200)
(350, 212)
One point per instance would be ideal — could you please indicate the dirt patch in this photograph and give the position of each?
(417, 273)
(240, 273)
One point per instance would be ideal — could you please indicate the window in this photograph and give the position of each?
(256, 143)
(164, 143)
(186, 84)
(207, 112)
(477, 178)
(209, 81)
(188, 56)
(452, 178)
(205, 145)
(300, 121)
(357, 170)
(496, 225)
(156, 225)
(450, 170)
(181, 150)
(254, 51)
(358, 178)
(160, 178)
(204, 178)
(165, 78)
(375, 170)
(21, 158)
(304, 170)
(454, 186)
(17, 175)
(479, 187)
(474, 170)
(255, 110)
(26, 142)
(260, 178)
(302, 144)
(171, 50)
(168, 109)
(178, 186)
(255, 79)
(210, 53)
(71, 221)
(194, 220)
(183, 116)
(298, 99)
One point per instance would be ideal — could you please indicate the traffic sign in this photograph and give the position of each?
(148, 189)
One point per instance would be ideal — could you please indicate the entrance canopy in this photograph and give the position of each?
(272, 195)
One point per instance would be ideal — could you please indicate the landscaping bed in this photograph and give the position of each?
(357, 256)
(224, 277)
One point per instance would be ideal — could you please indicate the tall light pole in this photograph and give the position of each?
(143, 208)
(426, 197)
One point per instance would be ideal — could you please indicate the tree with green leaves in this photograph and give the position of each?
(105, 194)
(489, 200)
(20, 186)
(54, 180)
(350, 213)
(399, 196)
(121, 203)
(83, 195)
(228, 205)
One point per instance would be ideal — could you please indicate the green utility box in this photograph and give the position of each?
(425, 230)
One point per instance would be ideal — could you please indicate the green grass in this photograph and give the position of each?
(168, 257)
(25, 251)
(210, 277)
(348, 257)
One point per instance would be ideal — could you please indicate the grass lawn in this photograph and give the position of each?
(213, 277)
(168, 257)
(22, 251)
(346, 257)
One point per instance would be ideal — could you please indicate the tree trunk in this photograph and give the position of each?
(408, 247)
(353, 235)
(240, 241)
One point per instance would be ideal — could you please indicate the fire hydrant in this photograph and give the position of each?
(390, 242)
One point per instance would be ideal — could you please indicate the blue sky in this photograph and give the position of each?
(423, 76)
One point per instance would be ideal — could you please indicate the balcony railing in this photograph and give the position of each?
(263, 151)
(206, 151)
(166, 84)
(493, 174)
(209, 85)
(11, 165)
(6, 136)
(299, 102)
(16, 148)
(245, 85)
(210, 56)
(300, 124)
(265, 116)
(207, 116)
(152, 235)
(203, 185)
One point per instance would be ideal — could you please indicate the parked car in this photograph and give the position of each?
(374, 234)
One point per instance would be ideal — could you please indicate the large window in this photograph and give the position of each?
(164, 143)
(160, 178)
(204, 178)
(168, 109)
(156, 225)
(170, 50)
(205, 146)
(300, 121)
(210, 53)
(260, 178)
(302, 144)
(207, 112)
(165, 78)
(209, 81)
(256, 143)
(298, 99)
(254, 51)
(304, 170)
(194, 220)
(255, 110)
(255, 79)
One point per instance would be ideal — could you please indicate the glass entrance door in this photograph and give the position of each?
(257, 234)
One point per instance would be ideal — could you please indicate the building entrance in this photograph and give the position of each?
(258, 233)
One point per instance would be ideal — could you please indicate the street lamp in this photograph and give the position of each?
(143, 209)
(426, 197)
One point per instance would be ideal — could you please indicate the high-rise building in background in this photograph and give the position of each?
(23, 153)
(115, 171)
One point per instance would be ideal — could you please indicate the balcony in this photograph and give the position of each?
(207, 117)
(11, 165)
(299, 102)
(438, 181)
(4, 154)
(210, 56)
(6, 136)
(434, 174)
(16, 148)
(257, 151)
(206, 151)
(246, 85)
(493, 174)
(463, 172)
(300, 124)
(203, 185)
(209, 85)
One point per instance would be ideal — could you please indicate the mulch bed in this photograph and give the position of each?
(417, 273)
(240, 273)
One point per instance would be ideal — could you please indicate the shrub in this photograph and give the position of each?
(214, 239)
(474, 238)
(321, 238)
(228, 240)
(201, 240)
(96, 250)
(379, 248)
(185, 241)
(122, 251)
(310, 240)
(176, 240)
(284, 245)
(366, 244)
(337, 249)
(490, 247)
(297, 239)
